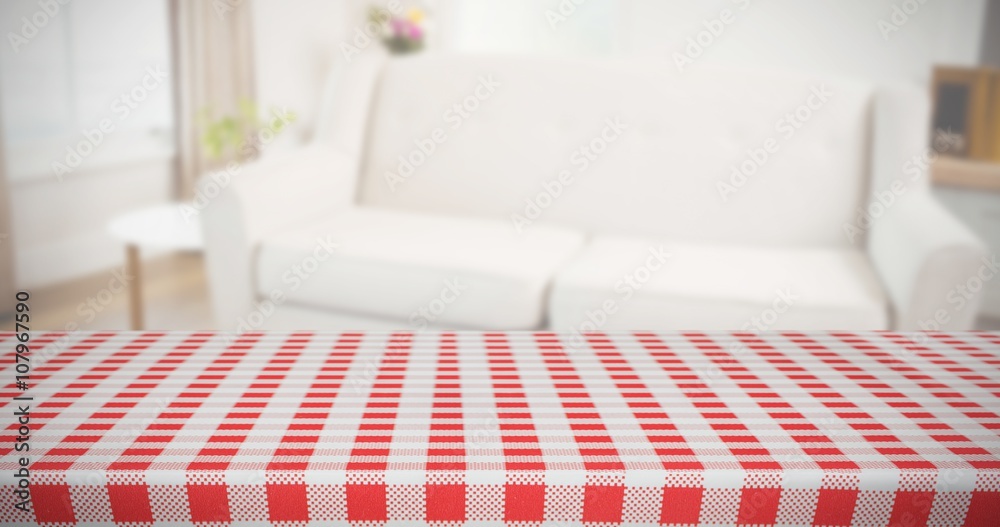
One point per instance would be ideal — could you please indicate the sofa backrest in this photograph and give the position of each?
(617, 147)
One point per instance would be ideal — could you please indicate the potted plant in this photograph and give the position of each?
(241, 135)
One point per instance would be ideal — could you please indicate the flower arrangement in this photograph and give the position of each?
(400, 34)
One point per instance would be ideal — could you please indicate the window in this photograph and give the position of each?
(67, 69)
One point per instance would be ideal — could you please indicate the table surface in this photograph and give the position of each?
(169, 226)
(638, 428)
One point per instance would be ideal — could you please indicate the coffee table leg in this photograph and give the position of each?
(133, 268)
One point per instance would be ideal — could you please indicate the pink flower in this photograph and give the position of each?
(415, 32)
(398, 25)
(405, 28)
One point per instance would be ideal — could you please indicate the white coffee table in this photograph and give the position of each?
(163, 227)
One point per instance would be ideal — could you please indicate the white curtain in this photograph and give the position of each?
(6, 241)
(213, 60)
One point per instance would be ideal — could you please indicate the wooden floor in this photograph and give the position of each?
(175, 293)
(174, 290)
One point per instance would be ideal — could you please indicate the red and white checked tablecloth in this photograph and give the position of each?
(645, 428)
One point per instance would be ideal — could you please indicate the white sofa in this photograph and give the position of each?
(648, 228)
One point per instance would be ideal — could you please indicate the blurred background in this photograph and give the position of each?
(112, 111)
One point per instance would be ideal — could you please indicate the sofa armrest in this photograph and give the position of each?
(261, 199)
(925, 258)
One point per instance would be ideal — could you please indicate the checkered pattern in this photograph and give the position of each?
(872, 429)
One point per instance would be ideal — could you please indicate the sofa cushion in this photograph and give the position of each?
(419, 269)
(621, 284)
(710, 155)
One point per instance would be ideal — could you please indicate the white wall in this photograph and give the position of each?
(297, 40)
(523, 26)
(841, 36)
(295, 43)
(60, 228)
